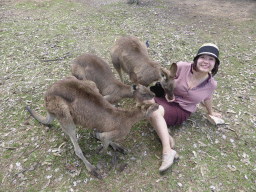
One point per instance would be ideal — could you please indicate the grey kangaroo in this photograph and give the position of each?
(78, 102)
(91, 67)
(131, 55)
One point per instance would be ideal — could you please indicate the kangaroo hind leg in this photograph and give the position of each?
(70, 130)
(69, 127)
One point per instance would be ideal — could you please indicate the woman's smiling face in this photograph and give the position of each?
(205, 63)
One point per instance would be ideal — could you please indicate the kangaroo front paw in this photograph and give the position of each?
(98, 135)
(117, 147)
(95, 173)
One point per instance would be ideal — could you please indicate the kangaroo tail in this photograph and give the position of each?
(44, 120)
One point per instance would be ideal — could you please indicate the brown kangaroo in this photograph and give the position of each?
(75, 102)
(89, 66)
(131, 55)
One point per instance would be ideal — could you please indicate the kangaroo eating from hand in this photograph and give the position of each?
(131, 55)
(78, 102)
(91, 67)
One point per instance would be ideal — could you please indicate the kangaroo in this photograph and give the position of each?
(89, 66)
(75, 102)
(131, 55)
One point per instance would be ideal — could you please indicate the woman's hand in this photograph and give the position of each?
(208, 105)
(215, 114)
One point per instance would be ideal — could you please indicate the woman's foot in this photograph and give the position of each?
(167, 160)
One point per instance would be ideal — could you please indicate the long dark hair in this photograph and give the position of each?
(214, 70)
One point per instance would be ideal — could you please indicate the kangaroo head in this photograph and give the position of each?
(167, 80)
(141, 94)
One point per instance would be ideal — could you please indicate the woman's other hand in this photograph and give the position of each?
(215, 114)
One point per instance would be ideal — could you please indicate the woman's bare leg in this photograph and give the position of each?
(158, 122)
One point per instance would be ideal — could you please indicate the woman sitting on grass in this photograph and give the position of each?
(194, 83)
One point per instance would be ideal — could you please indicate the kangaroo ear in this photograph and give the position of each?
(164, 74)
(133, 77)
(173, 70)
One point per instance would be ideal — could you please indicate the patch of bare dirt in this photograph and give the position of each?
(230, 9)
(20, 1)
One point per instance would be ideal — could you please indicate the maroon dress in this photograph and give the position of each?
(173, 113)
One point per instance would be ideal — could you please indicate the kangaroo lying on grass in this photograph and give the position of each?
(75, 102)
(131, 55)
(89, 66)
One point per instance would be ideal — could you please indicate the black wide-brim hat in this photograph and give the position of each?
(208, 49)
